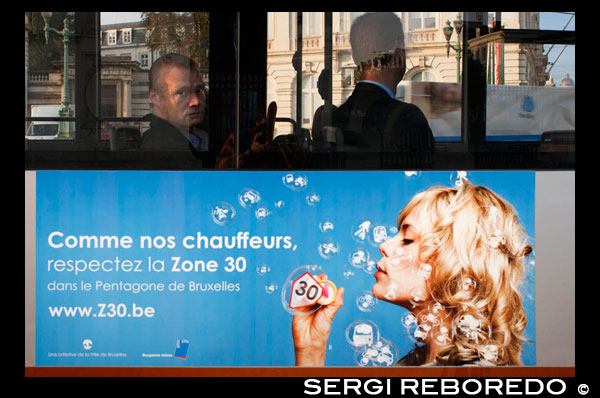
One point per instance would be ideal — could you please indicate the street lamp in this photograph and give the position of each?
(64, 127)
(458, 25)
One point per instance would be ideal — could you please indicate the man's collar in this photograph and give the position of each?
(385, 88)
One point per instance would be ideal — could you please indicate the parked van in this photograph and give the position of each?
(43, 130)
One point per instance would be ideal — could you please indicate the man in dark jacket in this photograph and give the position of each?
(178, 96)
(390, 132)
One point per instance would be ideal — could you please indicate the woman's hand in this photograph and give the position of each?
(310, 331)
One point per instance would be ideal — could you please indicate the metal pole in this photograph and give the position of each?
(237, 92)
(298, 73)
(326, 121)
(458, 57)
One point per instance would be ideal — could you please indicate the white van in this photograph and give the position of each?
(43, 130)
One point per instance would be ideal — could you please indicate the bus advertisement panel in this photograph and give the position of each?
(209, 268)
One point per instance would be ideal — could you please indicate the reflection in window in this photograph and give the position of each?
(421, 20)
(311, 23)
(112, 37)
(424, 76)
(50, 83)
(127, 36)
(311, 99)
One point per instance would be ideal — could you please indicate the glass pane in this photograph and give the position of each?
(531, 88)
(131, 42)
(415, 21)
(49, 80)
(429, 19)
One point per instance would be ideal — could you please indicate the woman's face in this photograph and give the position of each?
(401, 278)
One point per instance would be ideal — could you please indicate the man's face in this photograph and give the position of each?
(180, 98)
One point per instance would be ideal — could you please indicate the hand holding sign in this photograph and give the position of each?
(308, 290)
(310, 329)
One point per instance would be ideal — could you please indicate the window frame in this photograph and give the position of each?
(466, 154)
(127, 35)
(422, 19)
(111, 37)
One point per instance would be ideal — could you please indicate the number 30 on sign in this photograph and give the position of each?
(307, 291)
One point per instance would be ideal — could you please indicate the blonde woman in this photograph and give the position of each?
(456, 265)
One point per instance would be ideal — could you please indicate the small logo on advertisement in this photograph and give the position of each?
(528, 106)
(181, 348)
(87, 344)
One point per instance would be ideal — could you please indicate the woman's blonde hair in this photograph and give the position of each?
(475, 236)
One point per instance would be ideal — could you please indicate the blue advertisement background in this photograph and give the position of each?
(249, 327)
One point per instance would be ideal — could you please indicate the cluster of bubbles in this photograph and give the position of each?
(375, 234)
(370, 348)
(295, 181)
(428, 324)
(421, 324)
(366, 301)
(433, 323)
(263, 270)
(223, 213)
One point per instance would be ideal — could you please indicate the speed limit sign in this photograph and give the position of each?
(306, 291)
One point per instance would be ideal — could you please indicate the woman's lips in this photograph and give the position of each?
(380, 268)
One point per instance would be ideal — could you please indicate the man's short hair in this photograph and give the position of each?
(375, 32)
(166, 60)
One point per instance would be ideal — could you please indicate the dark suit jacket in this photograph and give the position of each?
(381, 132)
(371, 119)
(163, 136)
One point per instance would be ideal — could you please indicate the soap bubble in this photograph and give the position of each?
(366, 301)
(412, 174)
(441, 335)
(438, 310)
(223, 213)
(279, 205)
(248, 197)
(457, 178)
(362, 333)
(270, 288)
(370, 267)
(358, 257)
(424, 271)
(392, 289)
(328, 248)
(262, 212)
(360, 230)
(295, 181)
(388, 353)
(263, 269)
(490, 352)
(399, 259)
(362, 357)
(429, 317)
(286, 290)
(417, 296)
(380, 233)
(348, 273)
(381, 353)
(468, 284)
(326, 226)
(409, 320)
(470, 328)
(313, 199)
(420, 333)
